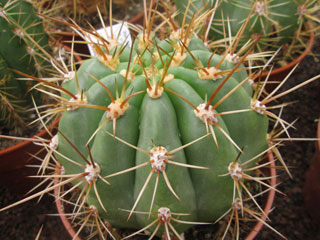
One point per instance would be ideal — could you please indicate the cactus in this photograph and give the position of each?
(278, 23)
(161, 135)
(152, 121)
(21, 36)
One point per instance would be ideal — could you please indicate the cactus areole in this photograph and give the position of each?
(157, 144)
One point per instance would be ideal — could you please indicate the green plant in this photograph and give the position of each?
(161, 135)
(22, 36)
(157, 130)
(283, 24)
(137, 124)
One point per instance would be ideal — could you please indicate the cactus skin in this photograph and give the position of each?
(21, 54)
(277, 22)
(166, 121)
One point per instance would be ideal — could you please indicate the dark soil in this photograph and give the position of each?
(289, 216)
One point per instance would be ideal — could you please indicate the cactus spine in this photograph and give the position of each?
(19, 23)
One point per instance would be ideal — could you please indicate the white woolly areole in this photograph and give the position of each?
(62, 170)
(176, 34)
(68, 76)
(38, 67)
(164, 214)
(233, 58)
(206, 115)
(80, 100)
(159, 158)
(260, 8)
(209, 74)
(168, 76)
(302, 10)
(109, 61)
(18, 32)
(155, 91)
(178, 58)
(235, 171)
(237, 204)
(130, 76)
(94, 210)
(145, 42)
(112, 43)
(54, 142)
(31, 50)
(116, 110)
(93, 171)
(256, 106)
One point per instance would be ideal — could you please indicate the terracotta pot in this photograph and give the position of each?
(65, 38)
(271, 194)
(312, 184)
(254, 232)
(280, 73)
(14, 174)
(62, 214)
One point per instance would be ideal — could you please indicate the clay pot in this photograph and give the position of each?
(254, 232)
(280, 73)
(65, 38)
(312, 184)
(14, 174)
(269, 201)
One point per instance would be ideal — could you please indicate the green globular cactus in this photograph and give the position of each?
(150, 130)
(276, 22)
(21, 37)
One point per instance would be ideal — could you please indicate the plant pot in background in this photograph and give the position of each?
(270, 198)
(14, 172)
(280, 73)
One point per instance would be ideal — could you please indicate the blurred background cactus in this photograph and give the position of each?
(284, 24)
(21, 37)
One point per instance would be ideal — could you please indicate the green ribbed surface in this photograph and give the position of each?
(168, 121)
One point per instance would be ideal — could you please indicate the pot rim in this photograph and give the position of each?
(271, 195)
(296, 61)
(25, 143)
